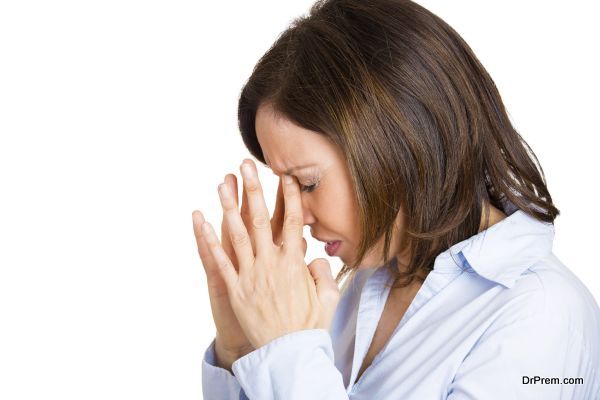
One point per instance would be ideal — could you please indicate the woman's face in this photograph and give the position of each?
(328, 199)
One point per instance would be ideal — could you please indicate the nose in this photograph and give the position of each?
(309, 217)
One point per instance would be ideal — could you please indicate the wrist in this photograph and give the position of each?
(225, 358)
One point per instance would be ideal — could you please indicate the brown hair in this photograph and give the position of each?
(419, 119)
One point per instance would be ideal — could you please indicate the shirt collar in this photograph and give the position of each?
(502, 252)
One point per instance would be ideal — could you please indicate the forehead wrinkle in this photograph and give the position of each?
(289, 171)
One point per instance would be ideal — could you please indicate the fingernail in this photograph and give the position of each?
(199, 214)
(246, 170)
(224, 191)
(205, 228)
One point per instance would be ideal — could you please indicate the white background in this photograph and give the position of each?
(118, 119)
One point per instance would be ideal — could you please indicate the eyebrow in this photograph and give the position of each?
(289, 171)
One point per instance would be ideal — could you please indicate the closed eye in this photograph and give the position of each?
(309, 188)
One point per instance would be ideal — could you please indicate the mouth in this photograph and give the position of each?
(332, 247)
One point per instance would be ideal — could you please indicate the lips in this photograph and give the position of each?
(332, 247)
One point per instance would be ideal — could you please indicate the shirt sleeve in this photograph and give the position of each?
(527, 359)
(296, 366)
(218, 383)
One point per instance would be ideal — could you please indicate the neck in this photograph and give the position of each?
(495, 216)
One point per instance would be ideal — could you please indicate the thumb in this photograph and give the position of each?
(327, 290)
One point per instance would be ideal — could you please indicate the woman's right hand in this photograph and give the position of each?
(231, 343)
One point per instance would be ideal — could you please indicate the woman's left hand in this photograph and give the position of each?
(275, 292)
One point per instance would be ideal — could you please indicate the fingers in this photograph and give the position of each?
(223, 263)
(238, 235)
(327, 290)
(205, 255)
(245, 212)
(259, 214)
(277, 220)
(293, 221)
(321, 272)
(231, 181)
(245, 209)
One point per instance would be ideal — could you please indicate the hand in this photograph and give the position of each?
(231, 343)
(272, 292)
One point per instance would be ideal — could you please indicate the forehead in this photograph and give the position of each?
(286, 145)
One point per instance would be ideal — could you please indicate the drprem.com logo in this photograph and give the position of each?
(534, 380)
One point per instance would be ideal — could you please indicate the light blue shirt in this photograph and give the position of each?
(483, 325)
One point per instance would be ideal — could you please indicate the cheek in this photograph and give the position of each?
(337, 211)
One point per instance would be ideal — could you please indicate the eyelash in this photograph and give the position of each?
(310, 188)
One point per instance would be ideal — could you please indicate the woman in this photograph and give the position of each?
(401, 157)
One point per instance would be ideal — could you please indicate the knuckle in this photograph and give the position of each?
(225, 264)
(211, 244)
(260, 222)
(229, 205)
(239, 238)
(293, 220)
(253, 187)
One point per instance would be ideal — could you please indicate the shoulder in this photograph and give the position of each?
(545, 325)
(563, 296)
(548, 296)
